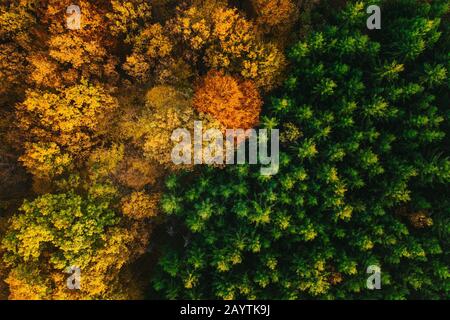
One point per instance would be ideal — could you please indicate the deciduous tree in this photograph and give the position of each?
(236, 104)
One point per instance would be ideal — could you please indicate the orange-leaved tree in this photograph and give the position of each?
(235, 103)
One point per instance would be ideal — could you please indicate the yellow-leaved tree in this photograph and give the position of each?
(57, 232)
(150, 128)
(222, 38)
(74, 118)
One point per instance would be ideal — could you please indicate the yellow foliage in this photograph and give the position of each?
(55, 232)
(229, 43)
(27, 285)
(103, 162)
(138, 67)
(265, 66)
(235, 35)
(16, 22)
(45, 160)
(150, 46)
(150, 128)
(100, 279)
(45, 72)
(74, 118)
(86, 52)
(153, 42)
(191, 25)
(131, 171)
(126, 16)
(69, 48)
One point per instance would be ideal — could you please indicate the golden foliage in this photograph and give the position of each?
(138, 67)
(99, 280)
(153, 42)
(55, 232)
(13, 69)
(150, 46)
(150, 128)
(275, 14)
(45, 160)
(265, 66)
(229, 42)
(128, 170)
(140, 205)
(74, 118)
(88, 52)
(17, 21)
(193, 28)
(103, 162)
(101, 277)
(27, 284)
(45, 72)
(126, 16)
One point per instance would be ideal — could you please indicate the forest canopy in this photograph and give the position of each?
(89, 101)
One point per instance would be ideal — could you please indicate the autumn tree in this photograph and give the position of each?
(275, 15)
(58, 231)
(45, 160)
(125, 18)
(62, 84)
(235, 103)
(166, 109)
(140, 205)
(17, 23)
(136, 172)
(222, 38)
(74, 117)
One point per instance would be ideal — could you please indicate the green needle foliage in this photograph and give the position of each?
(364, 174)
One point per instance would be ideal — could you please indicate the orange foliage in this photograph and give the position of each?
(140, 205)
(236, 104)
(136, 173)
(13, 69)
(67, 56)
